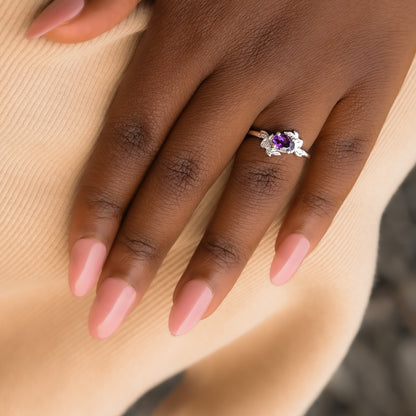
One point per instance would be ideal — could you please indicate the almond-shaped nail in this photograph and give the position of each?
(191, 303)
(55, 14)
(111, 305)
(85, 264)
(289, 256)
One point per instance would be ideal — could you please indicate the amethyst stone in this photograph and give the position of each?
(282, 141)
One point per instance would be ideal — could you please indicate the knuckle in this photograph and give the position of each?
(221, 251)
(318, 203)
(261, 41)
(244, 57)
(260, 179)
(102, 204)
(182, 173)
(132, 136)
(345, 152)
(140, 248)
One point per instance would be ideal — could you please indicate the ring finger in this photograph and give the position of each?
(258, 189)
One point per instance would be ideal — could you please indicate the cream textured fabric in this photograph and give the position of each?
(273, 348)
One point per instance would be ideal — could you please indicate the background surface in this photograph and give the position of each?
(378, 376)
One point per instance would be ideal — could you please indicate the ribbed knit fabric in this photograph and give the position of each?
(53, 99)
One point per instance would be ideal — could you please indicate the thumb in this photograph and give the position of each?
(72, 21)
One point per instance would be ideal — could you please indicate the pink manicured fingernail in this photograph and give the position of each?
(191, 303)
(110, 307)
(85, 264)
(289, 256)
(57, 13)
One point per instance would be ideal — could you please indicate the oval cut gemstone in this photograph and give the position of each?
(281, 140)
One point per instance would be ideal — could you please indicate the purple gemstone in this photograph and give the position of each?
(281, 140)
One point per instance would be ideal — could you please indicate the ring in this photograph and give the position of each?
(286, 141)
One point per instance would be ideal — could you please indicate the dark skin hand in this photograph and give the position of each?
(203, 75)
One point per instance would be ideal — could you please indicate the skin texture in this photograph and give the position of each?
(204, 73)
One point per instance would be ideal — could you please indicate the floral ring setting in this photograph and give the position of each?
(286, 141)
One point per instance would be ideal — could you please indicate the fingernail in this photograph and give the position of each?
(110, 307)
(190, 305)
(57, 13)
(85, 264)
(289, 256)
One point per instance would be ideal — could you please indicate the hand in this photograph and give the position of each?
(203, 75)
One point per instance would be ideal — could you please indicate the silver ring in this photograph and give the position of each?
(286, 141)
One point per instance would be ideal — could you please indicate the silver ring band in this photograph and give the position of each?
(286, 141)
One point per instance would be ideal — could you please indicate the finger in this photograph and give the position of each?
(202, 142)
(339, 155)
(71, 21)
(258, 188)
(138, 121)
